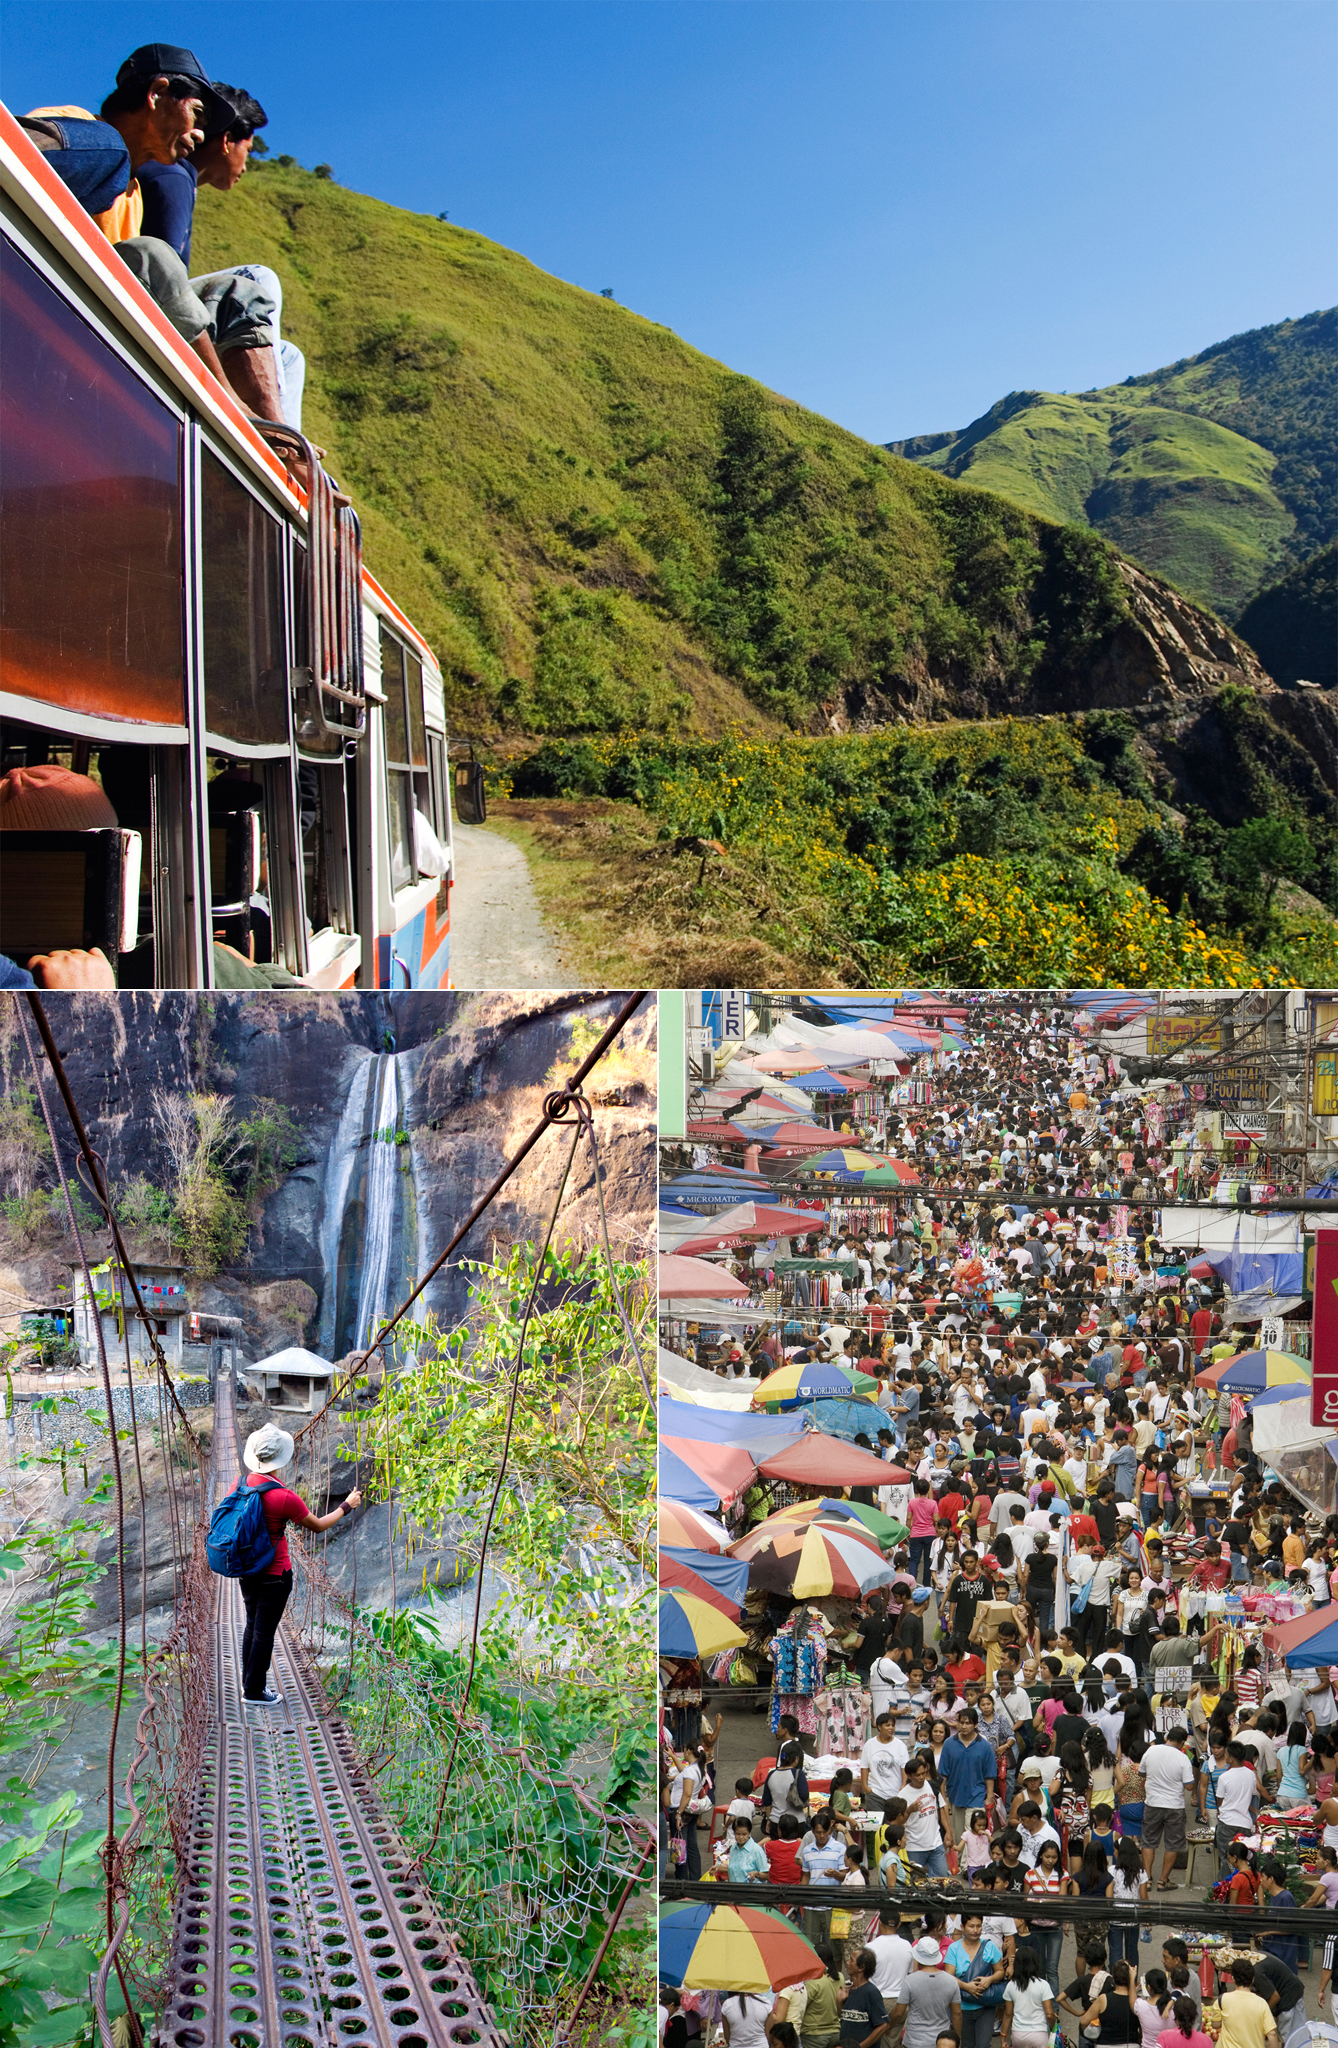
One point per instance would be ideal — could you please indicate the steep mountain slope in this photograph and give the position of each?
(1219, 471)
(617, 542)
(599, 527)
(1293, 626)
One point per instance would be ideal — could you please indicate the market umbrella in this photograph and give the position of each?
(680, 1483)
(814, 1560)
(818, 1460)
(720, 1581)
(716, 1130)
(886, 1528)
(1302, 1628)
(690, 1627)
(798, 1382)
(727, 1469)
(896, 1173)
(825, 1082)
(841, 1418)
(793, 1137)
(846, 1159)
(682, 1527)
(760, 1434)
(697, 1278)
(733, 1948)
(1255, 1370)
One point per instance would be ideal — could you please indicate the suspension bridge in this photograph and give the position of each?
(300, 1921)
(274, 1874)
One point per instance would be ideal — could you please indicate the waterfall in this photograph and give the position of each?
(342, 1159)
(381, 1203)
(368, 1234)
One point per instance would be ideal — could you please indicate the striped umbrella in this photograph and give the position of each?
(812, 1562)
(684, 1528)
(801, 1382)
(690, 1627)
(733, 1948)
(885, 1529)
(847, 1159)
(722, 1582)
(1255, 1370)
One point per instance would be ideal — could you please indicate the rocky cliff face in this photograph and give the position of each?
(1189, 683)
(474, 1070)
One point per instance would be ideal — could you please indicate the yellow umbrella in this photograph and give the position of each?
(690, 1627)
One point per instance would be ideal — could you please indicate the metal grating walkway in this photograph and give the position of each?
(299, 1924)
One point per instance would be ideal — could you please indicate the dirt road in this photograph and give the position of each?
(498, 935)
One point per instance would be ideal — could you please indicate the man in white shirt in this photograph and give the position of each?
(1317, 1685)
(1166, 1773)
(1237, 1798)
(1035, 1830)
(883, 1761)
(891, 1952)
(1003, 1501)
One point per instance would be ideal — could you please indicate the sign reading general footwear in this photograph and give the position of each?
(1324, 1390)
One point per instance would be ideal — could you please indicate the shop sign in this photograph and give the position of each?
(1324, 1359)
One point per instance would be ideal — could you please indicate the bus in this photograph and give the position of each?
(185, 616)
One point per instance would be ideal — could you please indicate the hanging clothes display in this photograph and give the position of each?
(799, 1661)
(844, 1716)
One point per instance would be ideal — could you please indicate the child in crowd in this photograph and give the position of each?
(974, 1848)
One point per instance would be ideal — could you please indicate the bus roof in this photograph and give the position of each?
(33, 187)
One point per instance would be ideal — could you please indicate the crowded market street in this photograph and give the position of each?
(998, 1550)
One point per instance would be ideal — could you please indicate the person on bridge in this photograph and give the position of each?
(265, 1594)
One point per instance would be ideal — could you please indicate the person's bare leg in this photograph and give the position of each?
(253, 374)
(1167, 1867)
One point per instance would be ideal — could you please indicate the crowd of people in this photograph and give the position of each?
(1045, 1716)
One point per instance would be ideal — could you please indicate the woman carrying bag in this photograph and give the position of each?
(978, 1966)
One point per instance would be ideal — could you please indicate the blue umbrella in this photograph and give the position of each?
(822, 1083)
(725, 1575)
(730, 1426)
(678, 1482)
(847, 1418)
(1321, 1648)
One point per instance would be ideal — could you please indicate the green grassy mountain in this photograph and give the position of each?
(1220, 472)
(616, 543)
(598, 526)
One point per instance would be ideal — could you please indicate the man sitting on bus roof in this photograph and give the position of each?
(169, 216)
(158, 109)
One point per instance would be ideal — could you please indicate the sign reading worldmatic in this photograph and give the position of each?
(1183, 1034)
(1324, 1362)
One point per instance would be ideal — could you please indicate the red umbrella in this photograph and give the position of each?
(817, 1460)
(721, 1133)
(726, 1468)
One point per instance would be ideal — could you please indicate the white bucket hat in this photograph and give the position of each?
(267, 1449)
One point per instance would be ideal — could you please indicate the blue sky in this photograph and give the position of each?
(893, 211)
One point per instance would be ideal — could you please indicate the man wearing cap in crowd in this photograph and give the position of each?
(930, 2002)
(265, 1594)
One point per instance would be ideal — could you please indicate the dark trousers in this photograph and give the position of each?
(265, 1595)
(919, 1549)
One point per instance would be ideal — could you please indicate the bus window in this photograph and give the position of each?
(323, 822)
(399, 771)
(90, 499)
(413, 687)
(245, 669)
(436, 754)
(254, 894)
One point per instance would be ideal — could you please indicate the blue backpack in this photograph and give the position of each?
(88, 155)
(238, 1542)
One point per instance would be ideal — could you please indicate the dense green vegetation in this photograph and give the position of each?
(1293, 625)
(1008, 852)
(1218, 472)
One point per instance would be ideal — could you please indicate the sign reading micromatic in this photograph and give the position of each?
(1324, 1348)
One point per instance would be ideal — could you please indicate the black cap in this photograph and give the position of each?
(169, 60)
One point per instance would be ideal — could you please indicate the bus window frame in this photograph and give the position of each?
(64, 281)
(217, 743)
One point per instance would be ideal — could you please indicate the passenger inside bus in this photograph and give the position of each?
(161, 109)
(53, 802)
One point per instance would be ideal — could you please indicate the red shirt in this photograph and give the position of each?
(783, 1858)
(950, 1506)
(970, 1671)
(1200, 1323)
(281, 1506)
(1083, 1525)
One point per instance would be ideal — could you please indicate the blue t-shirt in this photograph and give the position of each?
(744, 1859)
(987, 1958)
(169, 204)
(969, 1770)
